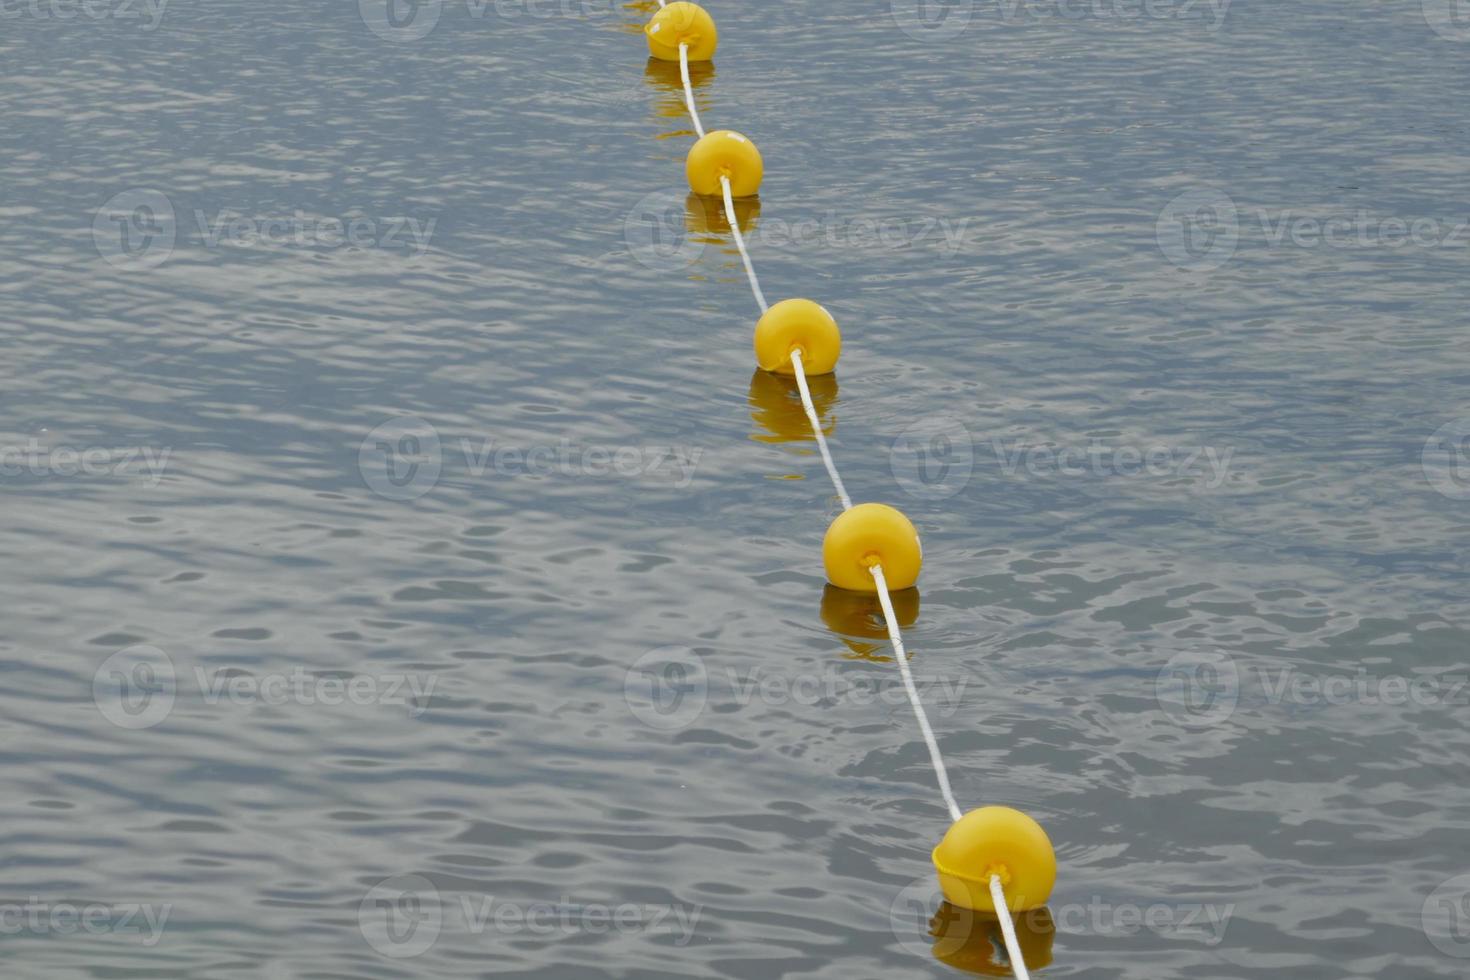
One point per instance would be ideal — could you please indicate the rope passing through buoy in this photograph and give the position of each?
(994, 859)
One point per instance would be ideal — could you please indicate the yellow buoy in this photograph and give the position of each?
(797, 324)
(724, 153)
(996, 840)
(682, 23)
(868, 535)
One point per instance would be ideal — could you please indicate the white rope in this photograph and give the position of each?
(811, 414)
(1018, 963)
(1008, 929)
(689, 88)
(755, 285)
(908, 682)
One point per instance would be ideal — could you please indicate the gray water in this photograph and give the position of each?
(366, 599)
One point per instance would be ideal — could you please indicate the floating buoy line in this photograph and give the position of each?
(991, 860)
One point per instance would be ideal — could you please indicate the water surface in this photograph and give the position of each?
(259, 263)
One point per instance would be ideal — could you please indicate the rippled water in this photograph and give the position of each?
(366, 599)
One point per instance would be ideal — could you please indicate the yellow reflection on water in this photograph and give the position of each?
(663, 76)
(856, 617)
(775, 404)
(706, 215)
(972, 941)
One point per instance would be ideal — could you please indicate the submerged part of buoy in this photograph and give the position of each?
(682, 23)
(868, 535)
(971, 941)
(724, 153)
(996, 841)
